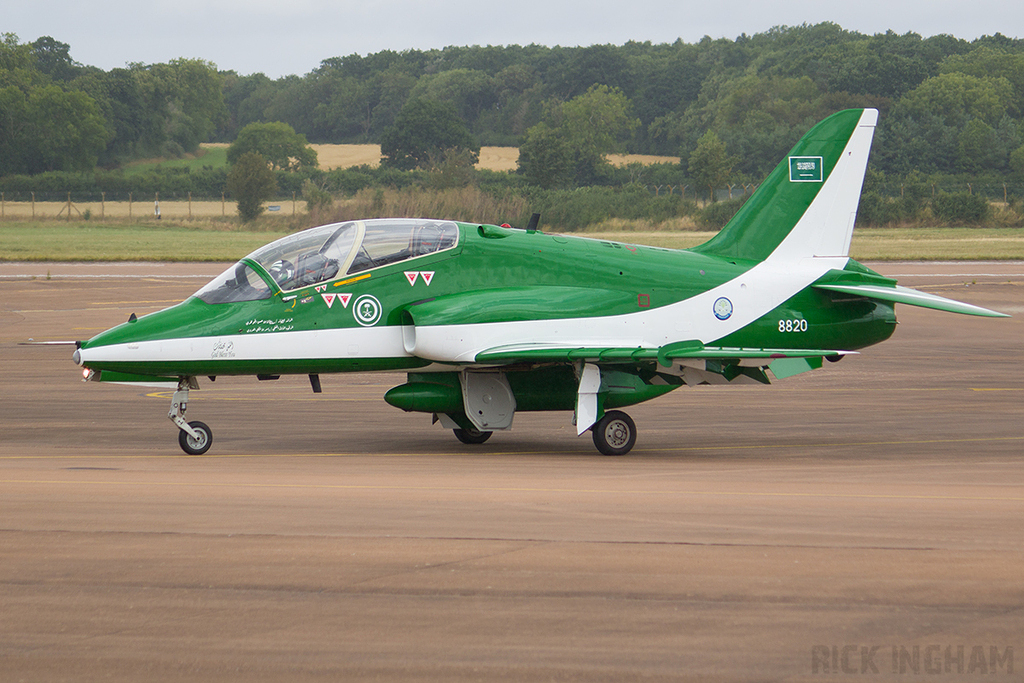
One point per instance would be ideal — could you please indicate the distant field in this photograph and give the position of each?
(491, 158)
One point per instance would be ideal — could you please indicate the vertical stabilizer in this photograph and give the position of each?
(807, 205)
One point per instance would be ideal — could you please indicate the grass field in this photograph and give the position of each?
(224, 241)
(215, 155)
(879, 244)
(49, 241)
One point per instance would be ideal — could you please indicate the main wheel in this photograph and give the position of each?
(471, 436)
(193, 446)
(615, 433)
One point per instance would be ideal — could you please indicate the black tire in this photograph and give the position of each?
(615, 433)
(196, 446)
(471, 436)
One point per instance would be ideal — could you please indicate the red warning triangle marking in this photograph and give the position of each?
(411, 276)
(428, 275)
(344, 299)
(329, 299)
(321, 288)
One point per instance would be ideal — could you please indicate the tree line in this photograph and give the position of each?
(948, 105)
(728, 109)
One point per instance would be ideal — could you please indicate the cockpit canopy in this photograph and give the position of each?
(328, 252)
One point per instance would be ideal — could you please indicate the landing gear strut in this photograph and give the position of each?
(195, 438)
(615, 433)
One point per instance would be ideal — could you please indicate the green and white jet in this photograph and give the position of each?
(488, 320)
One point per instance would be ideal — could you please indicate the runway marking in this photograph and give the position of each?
(267, 394)
(135, 303)
(837, 445)
(899, 275)
(726, 447)
(71, 310)
(520, 489)
(100, 276)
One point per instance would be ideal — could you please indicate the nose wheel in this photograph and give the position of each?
(199, 444)
(615, 433)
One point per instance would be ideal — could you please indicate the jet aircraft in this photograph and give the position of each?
(487, 320)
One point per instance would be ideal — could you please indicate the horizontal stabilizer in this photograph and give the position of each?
(913, 297)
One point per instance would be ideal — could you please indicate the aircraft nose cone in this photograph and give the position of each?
(77, 357)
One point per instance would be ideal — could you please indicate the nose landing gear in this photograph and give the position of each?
(195, 438)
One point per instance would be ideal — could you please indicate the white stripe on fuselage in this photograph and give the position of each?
(753, 294)
(354, 343)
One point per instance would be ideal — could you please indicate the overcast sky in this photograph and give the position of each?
(282, 37)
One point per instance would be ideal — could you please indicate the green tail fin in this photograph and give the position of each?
(807, 205)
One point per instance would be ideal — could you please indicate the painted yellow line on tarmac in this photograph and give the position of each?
(135, 303)
(307, 396)
(731, 447)
(638, 452)
(289, 392)
(69, 310)
(513, 489)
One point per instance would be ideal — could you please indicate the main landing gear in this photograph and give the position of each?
(195, 438)
(471, 436)
(615, 433)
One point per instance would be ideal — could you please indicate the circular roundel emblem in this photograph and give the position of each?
(723, 308)
(367, 310)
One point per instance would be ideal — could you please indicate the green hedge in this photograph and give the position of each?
(960, 208)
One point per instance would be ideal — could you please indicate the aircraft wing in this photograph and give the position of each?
(518, 353)
(701, 364)
(913, 297)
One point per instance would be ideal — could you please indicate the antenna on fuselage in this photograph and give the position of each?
(534, 222)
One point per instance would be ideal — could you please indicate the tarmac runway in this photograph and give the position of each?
(863, 521)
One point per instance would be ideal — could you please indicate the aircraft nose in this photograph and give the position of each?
(77, 357)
